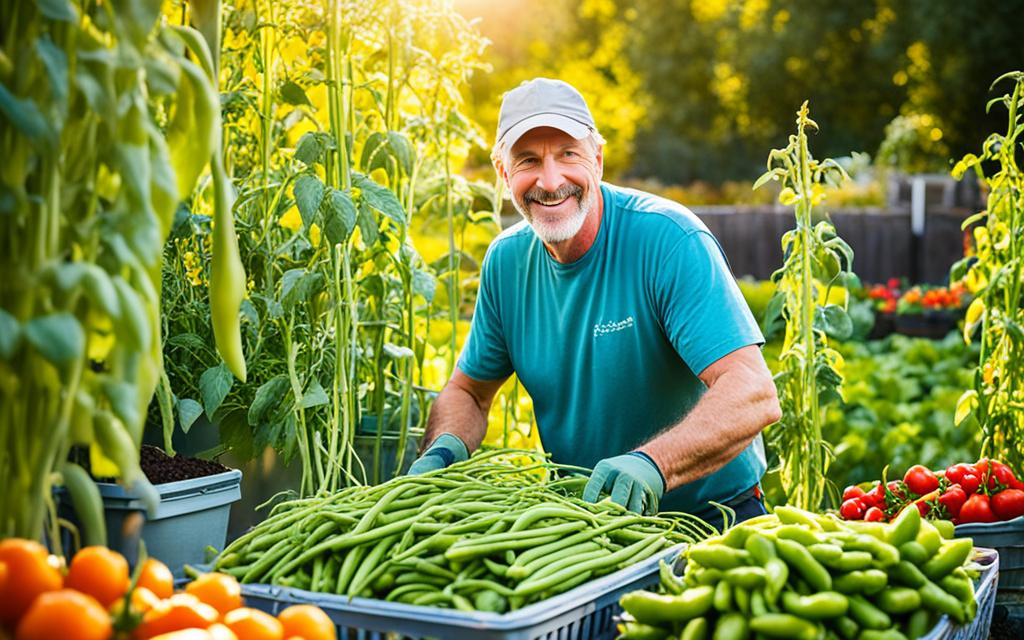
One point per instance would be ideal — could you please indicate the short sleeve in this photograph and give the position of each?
(485, 353)
(702, 310)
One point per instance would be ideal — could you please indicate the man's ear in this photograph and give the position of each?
(599, 156)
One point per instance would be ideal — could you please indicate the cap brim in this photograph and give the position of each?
(574, 128)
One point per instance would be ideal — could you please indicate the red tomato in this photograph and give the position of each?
(953, 499)
(1001, 476)
(1008, 504)
(970, 483)
(977, 509)
(874, 514)
(920, 480)
(852, 491)
(852, 509)
(875, 497)
(954, 473)
(981, 467)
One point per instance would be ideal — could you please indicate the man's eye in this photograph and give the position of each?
(571, 153)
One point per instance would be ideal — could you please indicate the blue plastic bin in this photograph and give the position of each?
(192, 514)
(985, 593)
(587, 612)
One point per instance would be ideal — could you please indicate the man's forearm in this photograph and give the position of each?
(723, 423)
(456, 411)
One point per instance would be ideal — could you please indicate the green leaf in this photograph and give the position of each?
(214, 385)
(424, 284)
(315, 396)
(297, 285)
(310, 148)
(380, 198)
(965, 405)
(189, 341)
(188, 412)
(269, 397)
(236, 433)
(56, 63)
(375, 152)
(339, 217)
(100, 290)
(10, 335)
(26, 117)
(59, 10)
(368, 225)
(402, 150)
(834, 321)
(58, 337)
(309, 193)
(294, 94)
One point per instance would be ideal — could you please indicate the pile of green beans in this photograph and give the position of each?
(494, 533)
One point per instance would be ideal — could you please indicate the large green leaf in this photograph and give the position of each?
(402, 150)
(56, 63)
(188, 412)
(294, 94)
(315, 396)
(339, 217)
(310, 148)
(297, 285)
(309, 193)
(368, 225)
(380, 198)
(269, 399)
(123, 397)
(424, 284)
(214, 385)
(834, 321)
(59, 10)
(375, 152)
(26, 117)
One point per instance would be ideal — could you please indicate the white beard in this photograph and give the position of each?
(553, 232)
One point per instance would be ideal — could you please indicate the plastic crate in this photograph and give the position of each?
(1008, 539)
(587, 612)
(985, 593)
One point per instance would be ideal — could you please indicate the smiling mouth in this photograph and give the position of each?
(550, 203)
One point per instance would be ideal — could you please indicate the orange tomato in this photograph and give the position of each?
(156, 577)
(220, 632)
(307, 621)
(180, 611)
(101, 573)
(142, 600)
(215, 632)
(219, 590)
(252, 624)
(28, 575)
(66, 614)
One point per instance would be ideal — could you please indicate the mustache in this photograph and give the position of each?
(536, 194)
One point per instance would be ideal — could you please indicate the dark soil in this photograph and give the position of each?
(160, 467)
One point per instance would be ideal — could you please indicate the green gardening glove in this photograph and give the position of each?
(445, 450)
(633, 480)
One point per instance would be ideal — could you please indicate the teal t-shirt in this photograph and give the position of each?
(609, 346)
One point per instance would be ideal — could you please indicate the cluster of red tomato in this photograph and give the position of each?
(986, 491)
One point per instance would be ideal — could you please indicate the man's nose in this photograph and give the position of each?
(550, 178)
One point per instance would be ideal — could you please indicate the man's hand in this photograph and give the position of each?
(633, 480)
(445, 450)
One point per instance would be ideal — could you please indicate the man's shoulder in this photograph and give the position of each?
(656, 214)
(511, 242)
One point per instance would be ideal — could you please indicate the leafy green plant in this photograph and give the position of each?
(345, 128)
(997, 396)
(89, 188)
(815, 260)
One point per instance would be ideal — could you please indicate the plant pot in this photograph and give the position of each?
(885, 324)
(191, 515)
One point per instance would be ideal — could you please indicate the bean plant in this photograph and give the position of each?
(107, 123)
(815, 260)
(997, 398)
(345, 126)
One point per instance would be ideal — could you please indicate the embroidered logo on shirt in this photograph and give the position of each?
(604, 328)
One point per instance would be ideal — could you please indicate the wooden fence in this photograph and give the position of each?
(882, 241)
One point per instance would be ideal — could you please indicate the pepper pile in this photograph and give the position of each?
(798, 575)
(481, 535)
(986, 491)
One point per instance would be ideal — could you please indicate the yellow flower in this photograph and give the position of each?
(788, 197)
(291, 219)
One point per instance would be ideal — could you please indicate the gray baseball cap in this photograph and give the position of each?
(543, 102)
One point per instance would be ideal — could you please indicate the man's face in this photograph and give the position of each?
(553, 179)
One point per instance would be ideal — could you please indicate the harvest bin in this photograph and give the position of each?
(587, 612)
(192, 514)
(1008, 539)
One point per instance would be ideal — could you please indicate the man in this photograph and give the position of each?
(619, 314)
